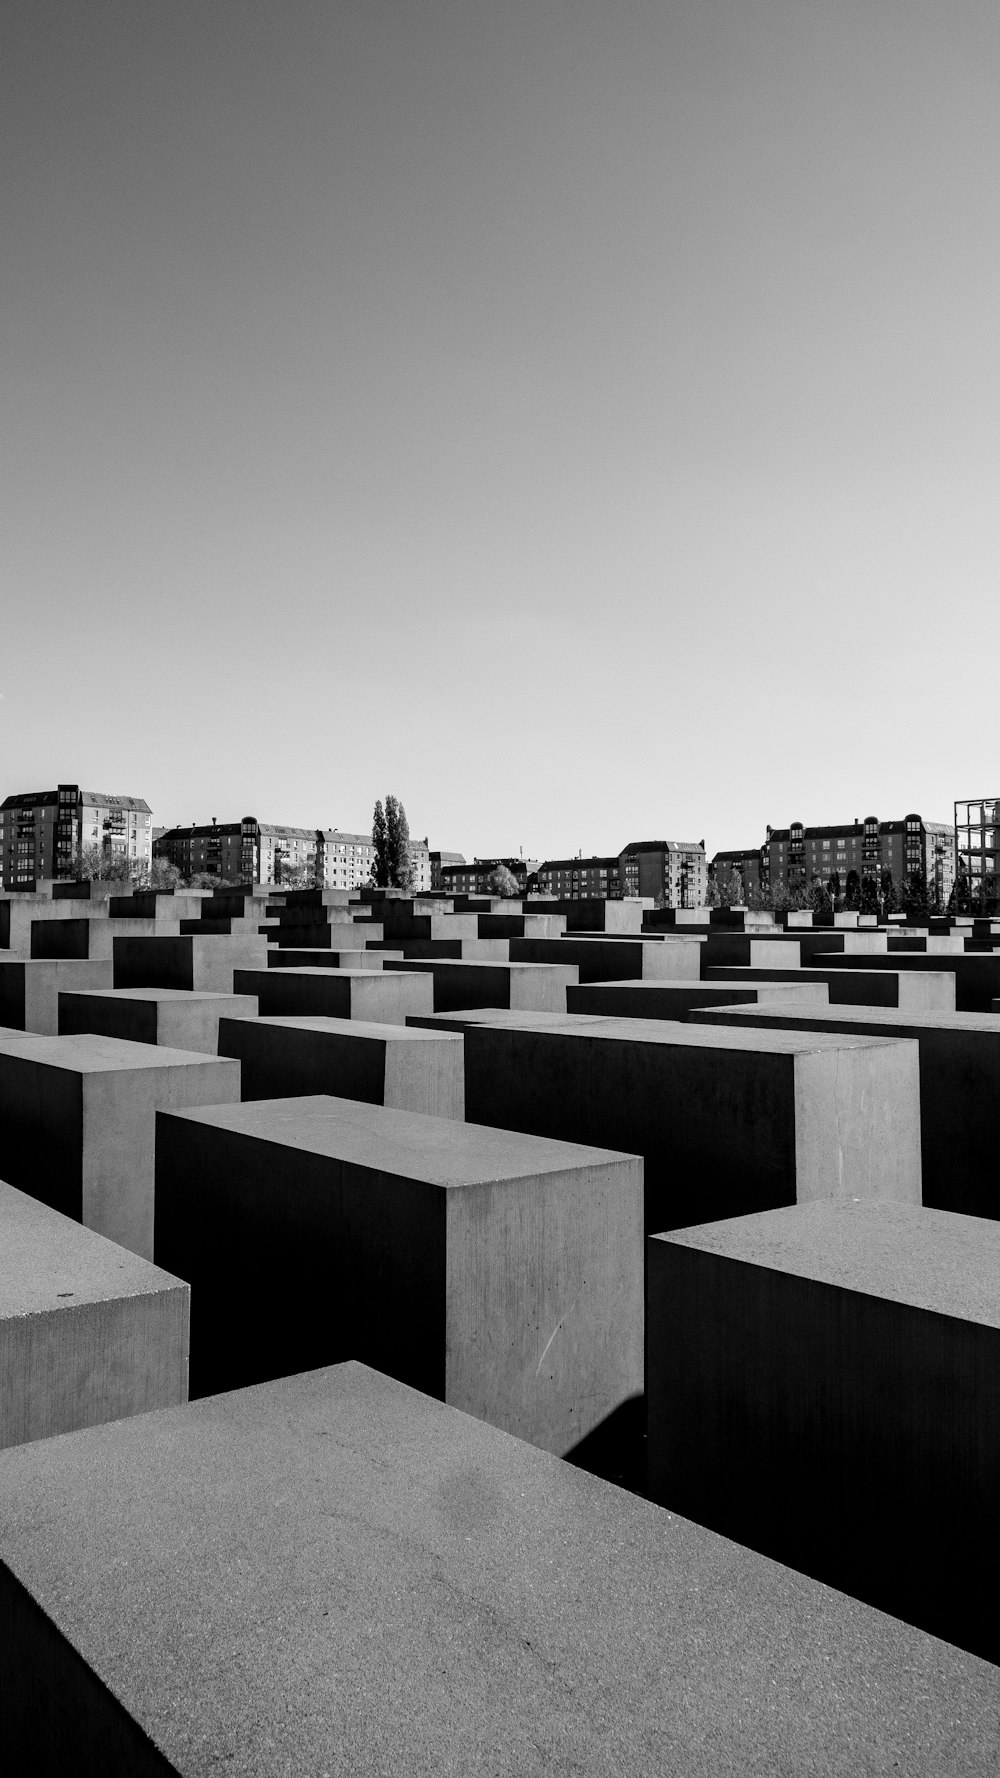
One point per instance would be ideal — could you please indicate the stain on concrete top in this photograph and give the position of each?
(48, 1262)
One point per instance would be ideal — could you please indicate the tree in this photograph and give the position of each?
(960, 899)
(398, 845)
(852, 891)
(915, 894)
(869, 895)
(162, 875)
(819, 897)
(380, 842)
(833, 888)
(99, 864)
(890, 899)
(503, 882)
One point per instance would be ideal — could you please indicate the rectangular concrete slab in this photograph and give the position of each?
(611, 960)
(88, 1332)
(959, 1088)
(674, 1000)
(857, 986)
(842, 1362)
(180, 1019)
(30, 989)
(319, 959)
(77, 1123)
(409, 1070)
(499, 1272)
(381, 996)
(319, 934)
(90, 938)
(516, 987)
(498, 1015)
(976, 976)
(759, 1119)
(204, 965)
(334, 1575)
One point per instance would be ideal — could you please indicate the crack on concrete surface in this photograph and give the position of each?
(555, 1330)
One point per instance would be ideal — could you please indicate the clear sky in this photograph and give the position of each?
(582, 420)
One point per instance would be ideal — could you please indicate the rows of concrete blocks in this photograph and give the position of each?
(502, 1273)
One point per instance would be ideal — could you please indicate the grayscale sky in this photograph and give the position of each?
(582, 420)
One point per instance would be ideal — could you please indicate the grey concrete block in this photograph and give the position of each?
(77, 1124)
(727, 1121)
(499, 1272)
(88, 1332)
(368, 1582)
(674, 1000)
(381, 996)
(857, 986)
(824, 1384)
(320, 959)
(339, 935)
(204, 965)
(976, 977)
(176, 1017)
(499, 1015)
(612, 960)
(518, 987)
(959, 1088)
(84, 939)
(408, 1070)
(30, 989)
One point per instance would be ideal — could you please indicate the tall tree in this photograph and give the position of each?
(380, 842)
(852, 891)
(890, 899)
(400, 864)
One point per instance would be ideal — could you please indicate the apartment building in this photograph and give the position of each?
(246, 851)
(868, 847)
(41, 831)
(580, 879)
(473, 879)
(673, 872)
(438, 862)
(347, 859)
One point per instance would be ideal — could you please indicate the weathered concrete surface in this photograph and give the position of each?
(85, 939)
(959, 1088)
(166, 906)
(610, 960)
(674, 1000)
(409, 1070)
(204, 965)
(456, 950)
(30, 989)
(340, 935)
(518, 987)
(747, 1121)
(180, 1019)
(77, 1124)
(18, 914)
(88, 1332)
(502, 1273)
(851, 986)
(824, 1384)
(368, 1582)
(381, 996)
(524, 925)
(319, 959)
(499, 1015)
(977, 977)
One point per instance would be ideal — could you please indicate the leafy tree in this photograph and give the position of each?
(852, 891)
(712, 894)
(869, 896)
(162, 875)
(960, 899)
(99, 864)
(833, 888)
(799, 893)
(503, 882)
(890, 899)
(380, 842)
(914, 896)
(819, 896)
(398, 845)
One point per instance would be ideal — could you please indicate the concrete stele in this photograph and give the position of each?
(88, 1332)
(406, 1069)
(500, 1272)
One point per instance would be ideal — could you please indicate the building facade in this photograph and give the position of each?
(473, 879)
(438, 862)
(580, 879)
(673, 872)
(870, 848)
(977, 834)
(42, 831)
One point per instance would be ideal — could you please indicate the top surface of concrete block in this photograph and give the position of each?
(434, 1150)
(89, 1053)
(158, 996)
(930, 1259)
(48, 1261)
(360, 1028)
(335, 1575)
(891, 1017)
(667, 1035)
